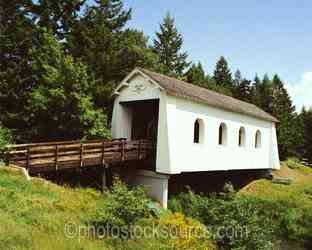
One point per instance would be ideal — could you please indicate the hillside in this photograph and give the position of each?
(34, 215)
(42, 215)
(295, 230)
(274, 215)
(298, 192)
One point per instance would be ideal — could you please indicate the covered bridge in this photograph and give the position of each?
(195, 129)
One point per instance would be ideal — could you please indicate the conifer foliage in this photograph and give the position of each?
(241, 87)
(101, 41)
(168, 45)
(284, 111)
(304, 134)
(222, 74)
(59, 105)
(17, 37)
(196, 74)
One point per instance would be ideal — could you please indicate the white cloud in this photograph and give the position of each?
(301, 93)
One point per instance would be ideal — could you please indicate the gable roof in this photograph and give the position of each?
(194, 93)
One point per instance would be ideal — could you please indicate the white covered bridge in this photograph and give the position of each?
(195, 129)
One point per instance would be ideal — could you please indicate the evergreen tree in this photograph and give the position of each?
(305, 131)
(57, 17)
(5, 139)
(110, 52)
(283, 110)
(267, 95)
(262, 93)
(17, 37)
(222, 74)
(168, 44)
(272, 97)
(59, 105)
(196, 74)
(237, 79)
(243, 91)
(255, 86)
(302, 133)
(111, 13)
(242, 87)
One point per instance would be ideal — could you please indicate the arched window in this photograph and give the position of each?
(258, 139)
(222, 134)
(242, 137)
(199, 131)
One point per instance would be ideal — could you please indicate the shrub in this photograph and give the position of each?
(296, 224)
(5, 139)
(235, 224)
(308, 191)
(175, 205)
(184, 233)
(228, 192)
(121, 207)
(293, 163)
(169, 231)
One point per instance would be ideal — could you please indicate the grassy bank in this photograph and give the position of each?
(34, 215)
(297, 193)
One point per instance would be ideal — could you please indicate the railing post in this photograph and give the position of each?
(7, 156)
(56, 157)
(81, 154)
(103, 151)
(139, 150)
(123, 149)
(28, 158)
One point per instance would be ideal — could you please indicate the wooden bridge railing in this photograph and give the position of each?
(72, 154)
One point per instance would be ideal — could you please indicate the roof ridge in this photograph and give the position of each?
(199, 87)
(210, 92)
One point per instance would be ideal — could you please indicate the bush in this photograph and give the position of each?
(175, 205)
(228, 192)
(122, 207)
(5, 139)
(308, 191)
(293, 163)
(296, 224)
(169, 231)
(185, 233)
(235, 224)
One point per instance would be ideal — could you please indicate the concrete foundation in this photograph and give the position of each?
(157, 184)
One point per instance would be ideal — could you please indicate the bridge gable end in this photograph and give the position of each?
(137, 86)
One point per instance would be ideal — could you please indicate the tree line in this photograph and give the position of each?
(60, 61)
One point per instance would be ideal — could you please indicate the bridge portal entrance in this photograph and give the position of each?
(144, 119)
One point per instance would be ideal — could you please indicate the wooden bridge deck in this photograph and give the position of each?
(42, 157)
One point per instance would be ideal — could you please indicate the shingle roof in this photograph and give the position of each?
(192, 92)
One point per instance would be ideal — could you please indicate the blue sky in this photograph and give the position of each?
(255, 36)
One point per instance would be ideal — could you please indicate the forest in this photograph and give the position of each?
(60, 61)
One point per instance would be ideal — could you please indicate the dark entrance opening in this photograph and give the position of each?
(144, 126)
(144, 119)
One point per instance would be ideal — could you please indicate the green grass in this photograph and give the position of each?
(295, 200)
(297, 193)
(33, 216)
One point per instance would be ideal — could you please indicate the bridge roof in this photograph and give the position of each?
(195, 93)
